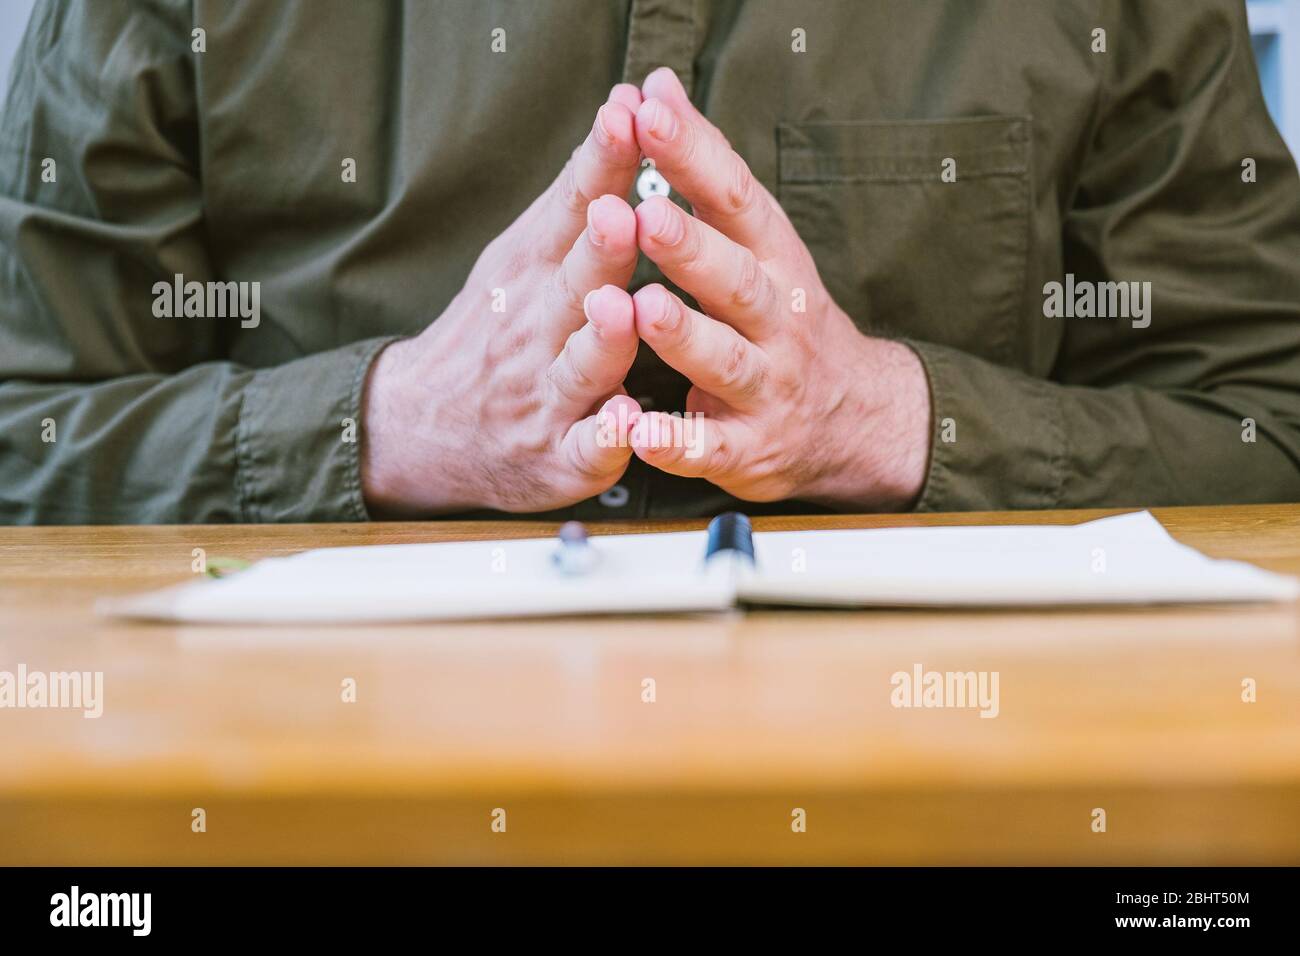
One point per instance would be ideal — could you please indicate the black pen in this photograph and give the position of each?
(730, 544)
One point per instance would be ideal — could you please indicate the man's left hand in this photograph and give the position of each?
(796, 402)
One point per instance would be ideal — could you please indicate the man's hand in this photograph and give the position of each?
(499, 402)
(796, 401)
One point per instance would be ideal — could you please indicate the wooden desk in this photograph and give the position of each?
(1138, 712)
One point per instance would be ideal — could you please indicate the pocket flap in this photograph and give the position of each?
(894, 151)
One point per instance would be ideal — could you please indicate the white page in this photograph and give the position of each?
(955, 566)
(1124, 559)
(469, 579)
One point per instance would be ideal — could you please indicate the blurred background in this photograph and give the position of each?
(13, 20)
(1274, 25)
(1275, 33)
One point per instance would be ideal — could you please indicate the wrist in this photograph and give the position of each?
(387, 403)
(883, 442)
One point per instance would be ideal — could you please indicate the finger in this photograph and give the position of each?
(725, 278)
(596, 357)
(701, 165)
(606, 162)
(604, 254)
(714, 356)
(693, 447)
(598, 447)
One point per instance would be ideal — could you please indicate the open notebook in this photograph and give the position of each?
(1126, 559)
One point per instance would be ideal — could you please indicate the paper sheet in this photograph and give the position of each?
(1126, 559)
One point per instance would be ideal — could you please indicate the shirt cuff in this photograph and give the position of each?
(998, 439)
(298, 459)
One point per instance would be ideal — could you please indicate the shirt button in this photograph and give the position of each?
(616, 497)
(652, 183)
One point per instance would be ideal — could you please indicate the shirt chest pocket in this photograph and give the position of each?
(919, 229)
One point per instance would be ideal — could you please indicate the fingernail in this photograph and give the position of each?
(663, 124)
(586, 301)
(669, 231)
(602, 131)
(668, 316)
(669, 72)
(594, 235)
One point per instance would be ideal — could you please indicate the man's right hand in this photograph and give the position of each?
(517, 407)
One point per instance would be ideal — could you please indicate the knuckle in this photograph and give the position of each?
(573, 198)
(583, 465)
(688, 252)
(734, 365)
(721, 461)
(506, 256)
(569, 379)
(738, 373)
(690, 145)
(518, 390)
(742, 190)
(510, 345)
(749, 283)
(528, 442)
(559, 296)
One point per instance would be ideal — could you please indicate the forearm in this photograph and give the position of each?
(1002, 439)
(214, 443)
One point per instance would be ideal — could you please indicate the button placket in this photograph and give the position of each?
(661, 33)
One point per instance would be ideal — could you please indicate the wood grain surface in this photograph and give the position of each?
(1137, 712)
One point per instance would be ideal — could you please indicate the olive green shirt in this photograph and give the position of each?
(943, 161)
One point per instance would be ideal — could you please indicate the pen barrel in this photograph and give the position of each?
(730, 532)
